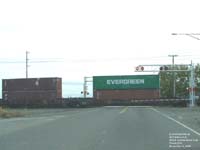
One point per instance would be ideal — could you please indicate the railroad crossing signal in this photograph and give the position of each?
(85, 92)
(85, 87)
(139, 68)
(164, 68)
(160, 68)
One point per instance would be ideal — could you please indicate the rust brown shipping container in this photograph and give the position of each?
(31, 84)
(30, 98)
(126, 94)
(30, 95)
(33, 89)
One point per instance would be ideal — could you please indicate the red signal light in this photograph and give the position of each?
(142, 68)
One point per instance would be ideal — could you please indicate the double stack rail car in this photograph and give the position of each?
(108, 90)
(91, 102)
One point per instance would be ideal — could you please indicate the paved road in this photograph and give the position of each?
(105, 128)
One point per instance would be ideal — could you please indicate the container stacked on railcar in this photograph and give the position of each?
(31, 91)
(127, 87)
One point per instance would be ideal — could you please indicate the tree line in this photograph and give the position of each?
(181, 81)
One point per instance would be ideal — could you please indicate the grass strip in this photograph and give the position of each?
(6, 113)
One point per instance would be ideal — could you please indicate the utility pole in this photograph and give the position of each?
(27, 64)
(174, 81)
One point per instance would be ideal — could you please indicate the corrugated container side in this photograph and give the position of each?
(59, 88)
(29, 95)
(126, 94)
(126, 82)
(31, 90)
(30, 84)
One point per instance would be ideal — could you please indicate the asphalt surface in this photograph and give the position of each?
(105, 128)
(188, 115)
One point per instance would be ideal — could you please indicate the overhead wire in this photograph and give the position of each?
(62, 60)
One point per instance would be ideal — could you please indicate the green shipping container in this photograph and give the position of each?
(126, 82)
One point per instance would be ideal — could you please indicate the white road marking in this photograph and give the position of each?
(129, 106)
(123, 110)
(141, 106)
(113, 106)
(50, 119)
(170, 118)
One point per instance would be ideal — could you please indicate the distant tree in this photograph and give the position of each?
(181, 80)
(165, 84)
(197, 78)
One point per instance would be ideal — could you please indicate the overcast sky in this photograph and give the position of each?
(76, 38)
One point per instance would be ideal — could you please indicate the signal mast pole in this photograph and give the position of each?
(85, 87)
(27, 64)
(192, 85)
(192, 80)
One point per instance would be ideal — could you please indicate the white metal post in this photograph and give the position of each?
(27, 64)
(192, 85)
(85, 87)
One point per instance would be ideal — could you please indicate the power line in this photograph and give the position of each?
(192, 35)
(12, 62)
(30, 61)
(61, 60)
